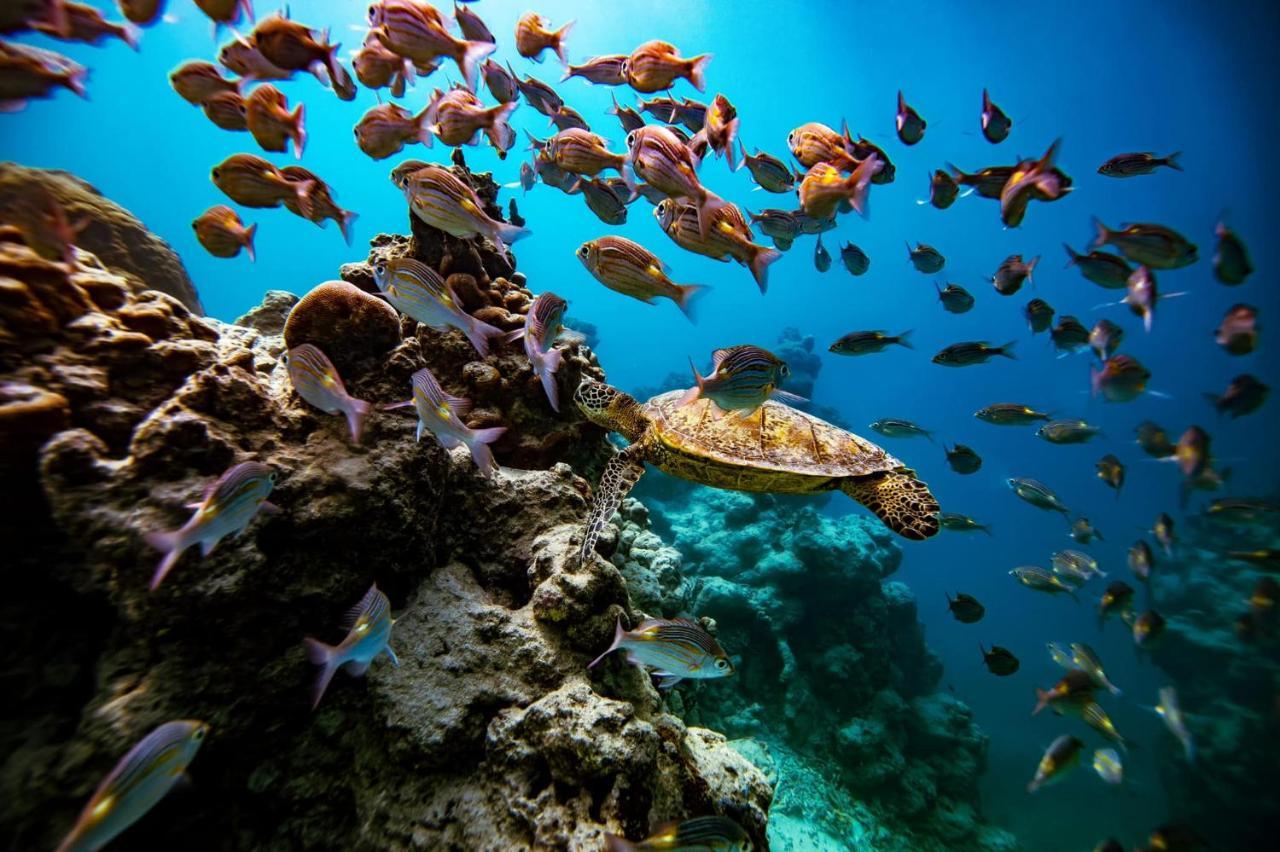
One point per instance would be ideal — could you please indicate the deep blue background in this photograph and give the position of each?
(1106, 77)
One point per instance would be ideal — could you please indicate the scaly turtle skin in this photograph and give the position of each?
(775, 449)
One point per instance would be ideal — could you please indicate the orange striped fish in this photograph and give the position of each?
(271, 123)
(442, 200)
(253, 182)
(457, 115)
(323, 207)
(728, 237)
(823, 188)
(385, 128)
(658, 157)
(416, 31)
(197, 81)
(814, 143)
(582, 152)
(719, 130)
(226, 110)
(605, 70)
(533, 36)
(136, 784)
(222, 234)
(317, 381)
(655, 65)
(629, 268)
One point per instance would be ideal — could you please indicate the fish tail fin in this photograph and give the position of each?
(614, 843)
(349, 218)
(688, 297)
(499, 127)
(903, 338)
(425, 123)
(859, 183)
(298, 131)
(1103, 233)
(325, 656)
(694, 393)
(760, 262)
(170, 544)
(249, 233)
(618, 634)
(1042, 700)
(478, 443)
(558, 43)
(1007, 350)
(1031, 268)
(1172, 160)
(698, 71)
(730, 134)
(707, 207)
(469, 60)
(509, 233)
(1073, 256)
(569, 72)
(1095, 380)
(75, 81)
(132, 36)
(480, 333)
(357, 411)
(247, 7)
(546, 370)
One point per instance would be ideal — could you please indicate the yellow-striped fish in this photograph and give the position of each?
(136, 784)
(543, 324)
(704, 834)
(441, 414)
(655, 65)
(728, 237)
(272, 124)
(674, 650)
(582, 152)
(629, 268)
(227, 508)
(534, 35)
(718, 132)
(442, 200)
(369, 635)
(417, 290)
(455, 117)
(815, 143)
(417, 32)
(660, 159)
(323, 207)
(251, 181)
(823, 188)
(222, 234)
(317, 381)
(385, 128)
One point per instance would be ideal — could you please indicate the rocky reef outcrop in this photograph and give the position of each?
(118, 406)
(835, 693)
(28, 197)
(1222, 653)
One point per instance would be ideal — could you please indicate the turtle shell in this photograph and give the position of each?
(790, 442)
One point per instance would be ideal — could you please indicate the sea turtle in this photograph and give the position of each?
(775, 449)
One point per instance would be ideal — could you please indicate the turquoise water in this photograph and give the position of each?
(1147, 76)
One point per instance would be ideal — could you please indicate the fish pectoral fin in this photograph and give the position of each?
(269, 508)
(395, 661)
(207, 546)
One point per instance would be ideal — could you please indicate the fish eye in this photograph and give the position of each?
(631, 139)
(216, 172)
(785, 370)
(271, 477)
(243, 109)
(199, 733)
(722, 664)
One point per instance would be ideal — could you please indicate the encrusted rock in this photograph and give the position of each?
(344, 322)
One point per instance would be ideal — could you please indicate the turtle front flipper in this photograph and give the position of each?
(620, 475)
(899, 499)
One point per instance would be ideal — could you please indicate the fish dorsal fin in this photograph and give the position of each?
(461, 406)
(351, 616)
(718, 357)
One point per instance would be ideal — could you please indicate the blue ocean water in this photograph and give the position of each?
(1106, 78)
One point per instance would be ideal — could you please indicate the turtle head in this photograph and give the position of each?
(610, 408)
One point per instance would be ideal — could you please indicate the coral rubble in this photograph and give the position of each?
(118, 406)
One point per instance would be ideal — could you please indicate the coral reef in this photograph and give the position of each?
(1224, 661)
(835, 689)
(113, 234)
(491, 734)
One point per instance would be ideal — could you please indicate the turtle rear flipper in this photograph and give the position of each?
(899, 499)
(621, 473)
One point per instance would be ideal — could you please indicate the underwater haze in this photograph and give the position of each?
(1104, 78)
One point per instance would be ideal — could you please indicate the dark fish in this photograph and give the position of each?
(1162, 529)
(1154, 246)
(471, 26)
(627, 117)
(1242, 510)
(809, 225)
(513, 215)
(1041, 580)
(821, 257)
(1266, 558)
(1069, 335)
(1231, 264)
(1118, 597)
(781, 225)
(1105, 270)
(1083, 531)
(963, 459)
(604, 199)
(1143, 163)
(741, 379)
(909, 124)
(864, 149)
(692, 114)
(769, 173)
(1148, 628)
(1111, 471)
(961, 523)
(500, 81)
(538, 94)
(866, 342)
(1039, 314)
(717, 833)
(854, 259)
(1104, 338)
(972, 352)
(1262, 602)
(1130, 165)
(995, 124)
(1011, 274)
(1243, 396)
(1192, 451)
(1031, 179)
(926, 259)
(943, 189)
(1062, 756)
(1071, 694)
(966, 609)
(567, 117)
(1238, 331)
(1010, 414)
(1175, 837)
(987, 182)
(227, 110)
(999, 661)
(1141, 560)
(955, 299)
(1154, 440)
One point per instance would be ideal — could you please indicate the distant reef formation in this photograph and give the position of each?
(1223, 656)
(835, 694)
(119, 405)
